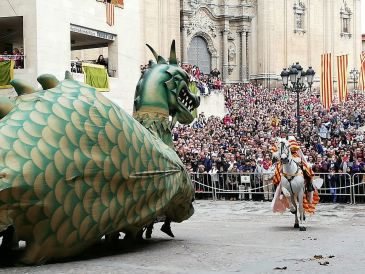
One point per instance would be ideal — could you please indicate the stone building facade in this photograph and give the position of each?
(50, 32)
(224, 27)
(255, 39)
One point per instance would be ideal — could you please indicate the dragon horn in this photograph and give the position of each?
(22, 88)
(153, 51)
(159, 59)
(68, 75)
(173, 59)
(48, 81)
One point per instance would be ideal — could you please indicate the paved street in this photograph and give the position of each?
(228, 236)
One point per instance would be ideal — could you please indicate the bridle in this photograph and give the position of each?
(284, 149)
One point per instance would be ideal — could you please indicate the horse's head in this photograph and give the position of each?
(283, 154)
(164, 89)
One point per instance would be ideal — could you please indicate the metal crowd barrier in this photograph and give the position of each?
(358, 181)
(336, 188)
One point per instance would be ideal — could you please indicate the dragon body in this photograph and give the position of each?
(75, 167)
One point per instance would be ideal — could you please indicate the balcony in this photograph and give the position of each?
(18, 60)
(76, 67)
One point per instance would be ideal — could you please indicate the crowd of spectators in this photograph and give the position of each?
(16, 55)
(332, 140)
(206, 83)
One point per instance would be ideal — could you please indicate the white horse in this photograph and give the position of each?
(292, 182)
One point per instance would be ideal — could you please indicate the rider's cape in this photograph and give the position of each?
(279, 203)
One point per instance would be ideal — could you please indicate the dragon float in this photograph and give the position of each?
(75, 167)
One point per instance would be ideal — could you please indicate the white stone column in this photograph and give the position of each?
(225, 55)
(248, 59)
(185, 46)
(243, 57)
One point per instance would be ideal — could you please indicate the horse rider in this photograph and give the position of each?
(299, 159)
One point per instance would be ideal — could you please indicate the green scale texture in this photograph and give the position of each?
(74, 167)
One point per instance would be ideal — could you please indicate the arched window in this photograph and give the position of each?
(345, 21)
(299, 17)
(199, 55)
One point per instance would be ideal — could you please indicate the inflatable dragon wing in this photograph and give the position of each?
(75, 167)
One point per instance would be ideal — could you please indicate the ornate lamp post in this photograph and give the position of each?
(297, 76)
(354, 74)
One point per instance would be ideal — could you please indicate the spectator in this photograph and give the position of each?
(102, 61)
(268, 174)
(17, 58)
(256, 116)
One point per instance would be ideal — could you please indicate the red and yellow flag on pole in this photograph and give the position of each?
(110, 14)
(326, 80)
(342, 65)
(362, 72)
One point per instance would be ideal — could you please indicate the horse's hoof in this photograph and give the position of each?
(302, 228)
(293, 211)
(296, 225)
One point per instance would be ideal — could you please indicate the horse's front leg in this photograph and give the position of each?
(290, 199)
(296, 224)
(301, 210)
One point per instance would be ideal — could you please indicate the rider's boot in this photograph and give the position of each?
(166, 228)
(310, 186)
(149, 231)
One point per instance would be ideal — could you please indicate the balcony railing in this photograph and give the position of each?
(76, 67)
(18, 60)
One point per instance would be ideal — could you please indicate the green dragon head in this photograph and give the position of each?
(164, 89)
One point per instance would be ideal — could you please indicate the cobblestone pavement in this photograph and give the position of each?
(232, 236)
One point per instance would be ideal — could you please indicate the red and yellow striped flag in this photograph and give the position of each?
(326, 80)
(342, 65)
(119, 3)
(362, 72)
(110, 14)
(310, 208)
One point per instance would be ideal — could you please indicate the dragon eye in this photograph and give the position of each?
(178, 78)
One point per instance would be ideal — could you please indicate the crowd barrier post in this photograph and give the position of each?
(358, 187)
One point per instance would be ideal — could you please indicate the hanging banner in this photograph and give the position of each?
(326, 80)
(342, 65)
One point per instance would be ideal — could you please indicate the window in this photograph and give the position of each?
(346, 25)
(345, 15)
(299, 21)
(11, 40)
(299, 17)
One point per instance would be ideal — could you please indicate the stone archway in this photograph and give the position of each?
(201, 52)
(199, 55)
